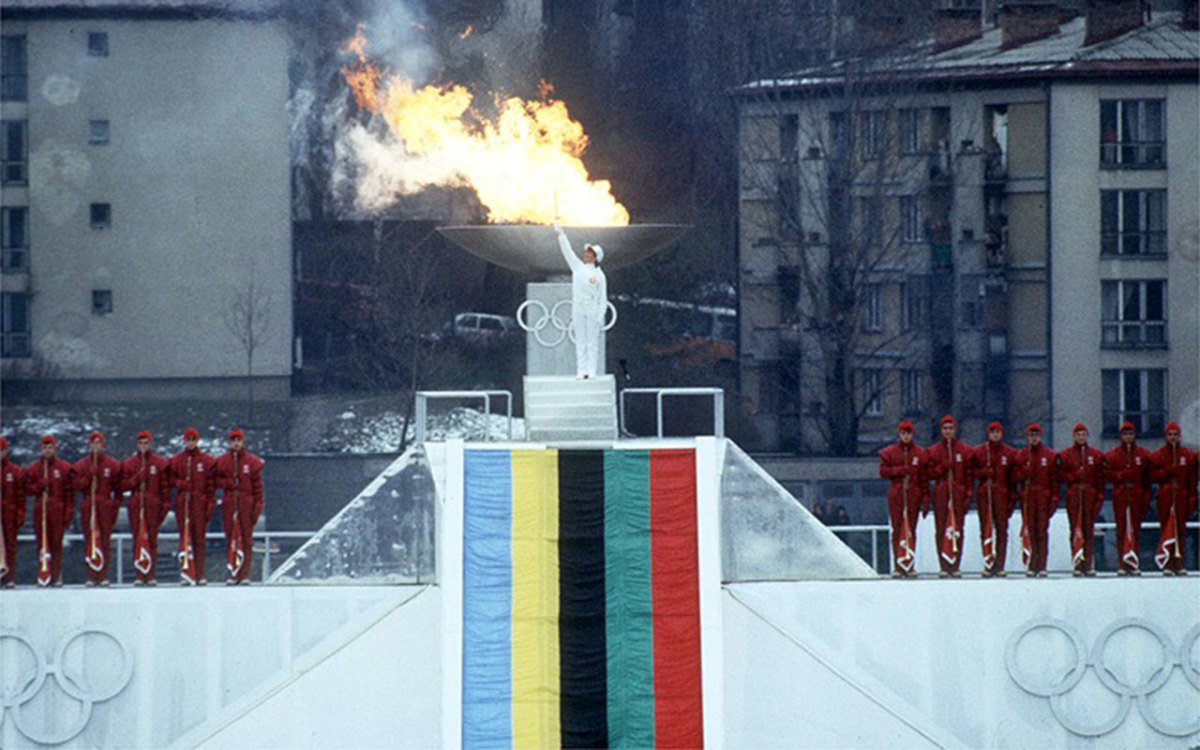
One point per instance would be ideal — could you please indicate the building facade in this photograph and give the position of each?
(146, 199)
(1019, 201)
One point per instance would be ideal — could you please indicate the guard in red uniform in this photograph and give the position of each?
(239, 476)
(12, 515)
(949, 466)
(904, 463)
(1174, 468)
(49, 480)
(992, 464)
(1081, 470)
(1128, 468)
(98, 477)
(147, 478)
(1038, 473)
(195, 500)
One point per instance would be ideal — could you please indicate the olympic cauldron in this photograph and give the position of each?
(533, 249)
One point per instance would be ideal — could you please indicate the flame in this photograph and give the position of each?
(467, 32)
(523, 163)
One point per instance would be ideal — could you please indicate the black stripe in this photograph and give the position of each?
(581, 636)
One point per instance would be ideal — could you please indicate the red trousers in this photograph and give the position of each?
(1088, 522)
(1037, 513)
(1166, 498)
(153, 516)
(244, 527)
(55, 525)
(999, 515)
(896, 510)
(197, 524)
(10, 543)
(941, 516)
(1129, 511)
(104, 525)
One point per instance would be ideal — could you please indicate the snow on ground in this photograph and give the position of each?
(381, 432)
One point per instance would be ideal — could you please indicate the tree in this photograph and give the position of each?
(248, 320)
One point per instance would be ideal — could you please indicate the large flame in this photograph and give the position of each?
(523, 163)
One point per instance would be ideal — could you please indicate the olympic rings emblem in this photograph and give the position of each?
(16, 693)
(551, 318)
(1065, 681)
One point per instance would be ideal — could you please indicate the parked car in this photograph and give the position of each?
(483, 326)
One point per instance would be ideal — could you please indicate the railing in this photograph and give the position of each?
(119, 540)
(1132, 334)
(718, 396)
(877, 530)
(1133, 153)
(423, 398)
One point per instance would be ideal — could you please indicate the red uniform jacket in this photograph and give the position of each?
(154, 473)
(13, 478)
(1037, 470)
(57, 480)
(1175, 471)
(241, 475)
(201, 486)
(995, 471)
(1081, 470)
(953, 461)
(107, 472)
(898, 461)
(1128, 468)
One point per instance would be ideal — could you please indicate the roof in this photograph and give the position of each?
(139, 8)
(1160, 47)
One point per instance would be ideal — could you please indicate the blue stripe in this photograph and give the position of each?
(487, 600)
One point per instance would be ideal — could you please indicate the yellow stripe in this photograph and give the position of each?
(535, 686)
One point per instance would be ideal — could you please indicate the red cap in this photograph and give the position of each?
(191, 434)
(905, 425)
(96, 435)
(1128, 426)
(144, 435)
(49, 439)
(947, 419)
(995, 426)
(1170, 426)
(1033, 427)
(3, 443)
(236, 434)
(1079, 426)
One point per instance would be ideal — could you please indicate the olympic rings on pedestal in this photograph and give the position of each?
(1095, 660)
(76, 686)
(552, 318)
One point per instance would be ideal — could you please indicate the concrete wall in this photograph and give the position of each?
(196, 172)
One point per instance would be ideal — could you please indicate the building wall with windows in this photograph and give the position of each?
(146, 189)
(1126, 275)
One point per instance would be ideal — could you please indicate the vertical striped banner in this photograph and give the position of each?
(581, 608)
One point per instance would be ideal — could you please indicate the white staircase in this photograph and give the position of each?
(568, 408)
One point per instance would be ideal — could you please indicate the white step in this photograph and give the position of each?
(568, 408)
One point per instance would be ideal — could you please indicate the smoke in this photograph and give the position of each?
(342, 168)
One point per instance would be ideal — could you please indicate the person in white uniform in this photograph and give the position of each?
(589, 299)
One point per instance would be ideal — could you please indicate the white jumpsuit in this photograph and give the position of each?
(589, 297)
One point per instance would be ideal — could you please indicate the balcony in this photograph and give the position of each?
(1148, 244)
(1133, 155)
(1136, 334)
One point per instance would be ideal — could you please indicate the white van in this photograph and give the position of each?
(483, 326)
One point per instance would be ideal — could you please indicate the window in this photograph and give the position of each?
(14, 221)
(16, 152)
(101, 215)
(915, 302)
(102, 302)
(870, 220)
(1138, 396)
(97, 132)
(910, 131)
(971, 396)
(838, 136)
(872, 381)
(872, 305)
(971, 292)
(872, 134)
(1133, 314)
(910, 218)
(98, 44)
(14, 322)
(14, 81)
(912, 392)
(1132, 133)
(1133, 222)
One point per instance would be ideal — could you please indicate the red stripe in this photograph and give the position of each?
(675, 591)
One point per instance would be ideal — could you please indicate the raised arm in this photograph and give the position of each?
(565, 246)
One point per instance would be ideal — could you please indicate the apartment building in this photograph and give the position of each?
(1018, 202)
(146, 198)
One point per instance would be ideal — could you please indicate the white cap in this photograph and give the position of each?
(599, 251)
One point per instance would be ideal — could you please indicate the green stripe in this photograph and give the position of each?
(629, 606)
